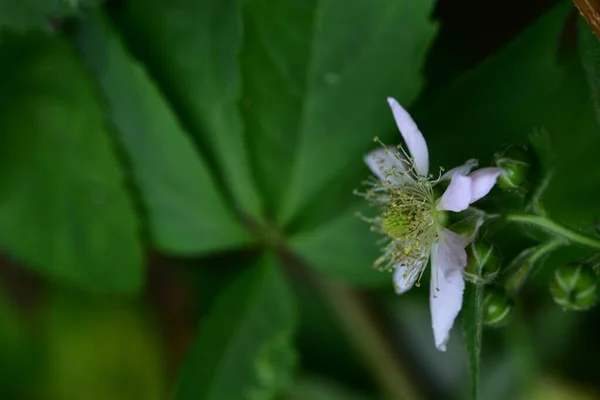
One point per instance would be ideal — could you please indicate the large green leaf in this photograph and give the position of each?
(191, 48)
(64, 210)
(589, 49)
(343, 248)
(242, 349)
(23, 14)
(316, 77)
(501, 100)
(186, 212)
(533, 83)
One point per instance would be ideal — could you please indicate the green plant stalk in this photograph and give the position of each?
(390, 374)
(550, 226)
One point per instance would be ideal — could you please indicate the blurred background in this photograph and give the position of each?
(176, 209)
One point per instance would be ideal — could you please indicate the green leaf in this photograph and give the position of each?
(191, 47)
(316, 77)
(519, 81)
(589, 50)
(64, 210)
(26, 14)
(533, 83)
(343, 248)
(243, 346)
(186, 213)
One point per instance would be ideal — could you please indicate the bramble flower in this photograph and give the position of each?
(413, 220)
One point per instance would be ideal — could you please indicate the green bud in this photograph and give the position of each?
(574, 286)
(466, 223)
(515, 163)
(483, 263)
(497, 308)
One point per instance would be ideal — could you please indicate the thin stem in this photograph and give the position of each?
(391, 376)
(388, 371)
(551, 226)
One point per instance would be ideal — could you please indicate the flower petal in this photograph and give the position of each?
(448, 260)
(405, 278)
(412, 137)
(457, 196)
(484, 180)
(387, 164)
(461, 169)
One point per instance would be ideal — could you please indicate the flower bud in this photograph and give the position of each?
(483, 263)
(516, 166)
(466, 223)
(497, 308)
(574, 286)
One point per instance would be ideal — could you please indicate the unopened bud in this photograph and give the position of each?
(483, 263)
(516, 166)
(574, 286)
(497, 308)
(467, 223)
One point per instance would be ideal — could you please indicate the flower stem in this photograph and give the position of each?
(391, 375)
(553, 227)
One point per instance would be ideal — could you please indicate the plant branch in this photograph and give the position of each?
(391, 376)
(550, 226)
(362, 329)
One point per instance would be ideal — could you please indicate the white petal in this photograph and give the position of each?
(460, 170)
(412, 137)
(484, 180)
(449, 258)
(404, 278)
(387, 164)
(457, 196)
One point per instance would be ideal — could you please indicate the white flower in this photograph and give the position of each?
(412, 219)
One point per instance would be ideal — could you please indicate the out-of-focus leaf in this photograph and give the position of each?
(100, 349)
(317, 388)
(524, 86)
(243, 348)
(24, 14)
(320, 332)
(64, 210)
(589, 50)
(411, 326)
(191, 47)
(520, 81)
(343, 248)
(316, 77)
(186, 212)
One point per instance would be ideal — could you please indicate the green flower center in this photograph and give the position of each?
(409, 214)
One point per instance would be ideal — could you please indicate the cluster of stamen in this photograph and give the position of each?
(407, 217)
